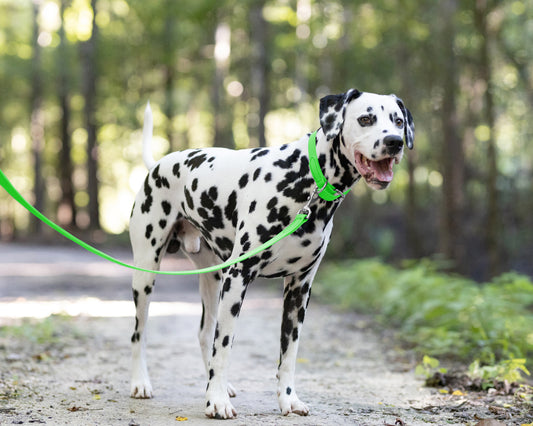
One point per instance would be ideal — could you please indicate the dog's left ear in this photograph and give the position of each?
(409, 128)
(332, 110)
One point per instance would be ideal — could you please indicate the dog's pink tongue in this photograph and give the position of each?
(383, 169)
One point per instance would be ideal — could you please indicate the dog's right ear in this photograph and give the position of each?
(332, 110)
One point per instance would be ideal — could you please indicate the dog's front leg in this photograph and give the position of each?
(234, 286)
(297, 291)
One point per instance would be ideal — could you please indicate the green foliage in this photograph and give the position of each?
(49, 331)
(428, 367)
(438, 314)
(509, 370)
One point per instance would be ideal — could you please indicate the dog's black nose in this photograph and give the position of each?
(393, 143)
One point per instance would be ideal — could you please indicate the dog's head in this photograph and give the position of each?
(372, 130)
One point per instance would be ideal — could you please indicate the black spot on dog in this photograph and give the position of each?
(243, 181)
(288, 162)
(376, 144)
(147, 290)
(268, 177)
(189, 199)
(195, 161)
(283, 147)
(258, 152)
(194, 185)
(230, 211)
(206, 201)
(224, 243)
(288, 391)
(135, 297)
(213, 193)
(135, 337)
(301, 315)
(273, 201)
(225, 341)
(227, 285)
(166, 207)
(145, 207)
(305, 243)
(153, 242)
(149, 229)
(160, 181)
(176, 170)
(235, 309)
(256, 173)
(253, 204)
(211, 374)
(294, 259)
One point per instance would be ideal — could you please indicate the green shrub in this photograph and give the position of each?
(438, 313)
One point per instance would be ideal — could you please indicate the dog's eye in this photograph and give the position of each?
(399, 122)
(365, 120)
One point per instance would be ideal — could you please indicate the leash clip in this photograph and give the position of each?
(306, 210)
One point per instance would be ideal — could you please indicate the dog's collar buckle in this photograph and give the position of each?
(327, 191)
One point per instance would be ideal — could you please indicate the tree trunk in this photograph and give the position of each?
(88, 56)
(259, 76)
(452, 147)
(37, 121)
(67, 207)
(493, 215)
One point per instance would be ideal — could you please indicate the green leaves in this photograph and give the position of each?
(438, 314)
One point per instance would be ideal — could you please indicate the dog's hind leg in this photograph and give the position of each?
(149, 244)
(142, 287)
(297, 291)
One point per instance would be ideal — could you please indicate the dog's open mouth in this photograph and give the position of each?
(375, 171)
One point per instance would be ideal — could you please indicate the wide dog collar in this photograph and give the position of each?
(326, 190)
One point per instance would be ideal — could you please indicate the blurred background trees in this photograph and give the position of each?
(75, 76)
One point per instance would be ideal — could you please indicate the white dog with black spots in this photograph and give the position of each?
(216, 204)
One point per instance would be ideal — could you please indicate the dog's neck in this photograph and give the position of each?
(336, 167)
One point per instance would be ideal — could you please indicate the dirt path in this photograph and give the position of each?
(81, 377)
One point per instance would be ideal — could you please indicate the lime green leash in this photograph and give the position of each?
(326, 191)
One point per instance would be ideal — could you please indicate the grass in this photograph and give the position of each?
(437, 313)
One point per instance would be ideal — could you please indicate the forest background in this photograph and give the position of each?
(75, 76)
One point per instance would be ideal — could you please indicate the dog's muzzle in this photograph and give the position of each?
(393, 144)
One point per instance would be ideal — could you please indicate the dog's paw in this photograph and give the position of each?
(232, 393)
(292, 404)
(141, 390)
(219, 407)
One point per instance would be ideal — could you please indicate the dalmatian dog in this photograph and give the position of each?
(216, 204)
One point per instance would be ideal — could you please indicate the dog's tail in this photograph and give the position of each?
(148, 128)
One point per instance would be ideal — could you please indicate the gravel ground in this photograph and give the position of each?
(346, 373)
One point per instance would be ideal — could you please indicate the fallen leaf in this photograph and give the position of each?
(443, 391)
(181, 419)
(458, 393)
(96, 397)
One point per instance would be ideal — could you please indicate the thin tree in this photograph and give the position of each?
(452, 147)
(481, 11)
(37, 119)
(89, 77)
(65, 170)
